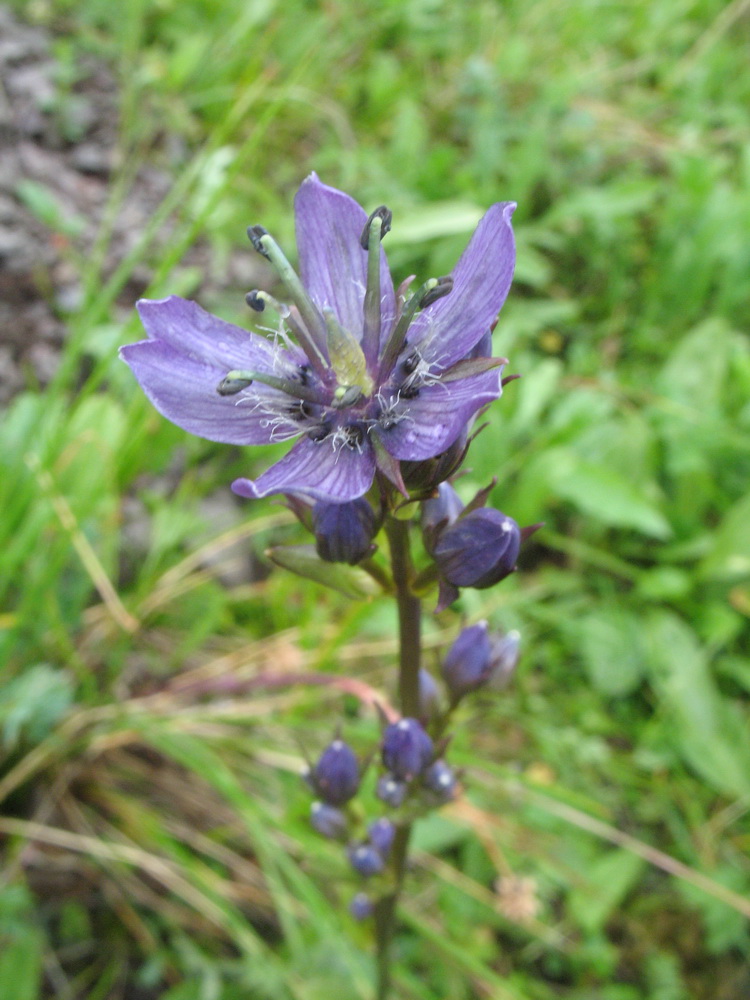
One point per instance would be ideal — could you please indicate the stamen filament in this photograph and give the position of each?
(313, 338)
(237, 380)
(397, 338)
(372, 237)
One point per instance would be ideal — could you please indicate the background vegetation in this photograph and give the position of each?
(155, 831)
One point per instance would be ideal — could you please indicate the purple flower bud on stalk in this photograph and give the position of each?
(427, 475)
(438, 513)
(506, 651)
(478, 550)
(391, 790)
(361, 907)
(407, 749)
(441, 780)
(343, 531)
(382, 832)
(478, 657)
(336, 775)
(429, 696)
(366, 860)
(328, 820)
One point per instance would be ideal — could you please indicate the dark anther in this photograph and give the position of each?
(231, 386)
(409, 391)
(319, 433)
(255, 233)
(354, 435)
(301, 410)
(255, 301)
(411, 363)
(385, 215)
(444, 287)
(304, 374)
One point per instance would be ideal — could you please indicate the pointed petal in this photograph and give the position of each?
(315, 469)
(447, 331)
(435, 418)
(188, 354)
(333, 265)
(194, 332)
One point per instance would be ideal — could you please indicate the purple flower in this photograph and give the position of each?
(362, 379)
(407, 749)
(328, 820)
(441, 780)
(344, 531)
(381, 832)
(479, 549)
(336, 777)
(479, 657)
(366, 860)
(391, 790)
(361, 907)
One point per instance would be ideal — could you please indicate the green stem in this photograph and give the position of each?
(409, 621)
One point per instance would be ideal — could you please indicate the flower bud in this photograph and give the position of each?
(479, 657)
(430, 472)
(429, 696)
(336, 775)
(441, 780)
(361, 907)
(328, 820)
(444, 508)
(382, 832)
(343, 531)
(366, 860)
(391, 791)
(407, 749)
(478, 550)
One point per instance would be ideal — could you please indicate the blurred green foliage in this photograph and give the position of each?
(622, 132)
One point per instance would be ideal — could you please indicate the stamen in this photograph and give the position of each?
(313, 338)
(432, 290)
(377, 226)
(235, 381)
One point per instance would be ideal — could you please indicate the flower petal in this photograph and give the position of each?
(435, 418)
(189, 354)
(447, 331)
(333, 265)
(315, 469)
(194, 332)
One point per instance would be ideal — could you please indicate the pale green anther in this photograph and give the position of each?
(314, 345)
(346, 395)
(237, 380)
(347, 357)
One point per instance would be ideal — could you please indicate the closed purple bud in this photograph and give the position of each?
(407, 749)
(478, 550)
(328, 820)
(382, 832)
(343, 531)
(468, 663)
(440, 510)
(361, 907)
(391, 791)
(506, 651)
(366, 860)
(429, 696)
(441, 780)
(479, 657)
(336, 775)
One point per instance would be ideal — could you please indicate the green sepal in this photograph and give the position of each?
(351, 581)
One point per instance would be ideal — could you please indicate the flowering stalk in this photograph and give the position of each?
(380, 390)
(410, 649)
